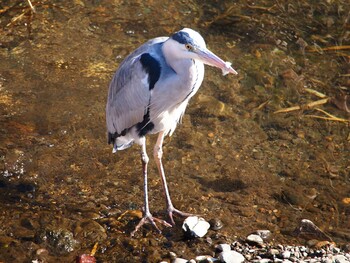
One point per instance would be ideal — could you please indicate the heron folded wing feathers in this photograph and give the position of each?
(129, 94)
(128, 97)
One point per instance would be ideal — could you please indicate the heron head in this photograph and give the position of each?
(190, 44)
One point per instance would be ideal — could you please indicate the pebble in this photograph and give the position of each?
(216, 224)
(264, 234)
(223, 247)
(180, 260)
(286, 254)
(195, 226)
(255, 239)
(231, 257)
(340, 259)
(274, 251)
(206, 259)
(239, 251)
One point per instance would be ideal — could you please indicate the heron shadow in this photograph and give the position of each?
(222, 184)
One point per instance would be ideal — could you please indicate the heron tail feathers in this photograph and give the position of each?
(123, 146)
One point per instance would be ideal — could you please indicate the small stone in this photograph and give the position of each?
(340, 259)
(195, 226)
(223, 247)
(297, 254)
(308, 230)
(264, 234)
(180, 260)
(255, 239)
(205, 259)
(216, 224)
(231, 257)
(209, 240)
(286, 254)
(172, 255)
(274, 251)
(336, 250)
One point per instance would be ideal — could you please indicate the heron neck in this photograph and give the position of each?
(178, 64)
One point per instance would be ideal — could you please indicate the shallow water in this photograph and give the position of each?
(232, 158)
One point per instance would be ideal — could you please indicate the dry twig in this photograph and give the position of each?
(31, 6)
(329, 118)
(324, 99)
(305, 106)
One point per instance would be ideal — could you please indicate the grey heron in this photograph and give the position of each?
(149, 94)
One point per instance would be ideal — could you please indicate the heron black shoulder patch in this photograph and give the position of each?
(145, 126)
(152, 67)
(182, 37)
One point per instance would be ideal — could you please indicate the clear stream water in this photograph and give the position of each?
(232, 158)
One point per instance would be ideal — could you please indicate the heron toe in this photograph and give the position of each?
(149, 219)
(171, 210)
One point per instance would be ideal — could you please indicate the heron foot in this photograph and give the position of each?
(171, 210)
(149, 219)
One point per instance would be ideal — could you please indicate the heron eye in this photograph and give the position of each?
(188, 47)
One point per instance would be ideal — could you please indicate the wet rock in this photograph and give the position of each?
(231, 257)
(23, 233)
(264, 234)
(172, 255)
(223, 247)
(340, 259)
(274, 251)
(180, 260)
(293, 197)
(92, 215)
(90, 230)
(206, 259)
(216, 224)
(308, 230)
(255, 239)
(286, 254)
(42, 254)
(195, 226)
(29, 223)
(60, 241)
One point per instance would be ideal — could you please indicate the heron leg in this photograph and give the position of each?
(158, 153)
(147, 216)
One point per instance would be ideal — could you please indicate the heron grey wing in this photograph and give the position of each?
(129, 93)
(128, 97)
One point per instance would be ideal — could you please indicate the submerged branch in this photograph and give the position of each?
(305, 106)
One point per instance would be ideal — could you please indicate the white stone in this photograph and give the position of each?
(286, 254)
(223, 247)
(180, 260)
(206, 258)
(340, 259)
(195, 226)
(231, 257)
(327, 260)
(264, 234)
(255, 239)
(274, 251)
(265, 260)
